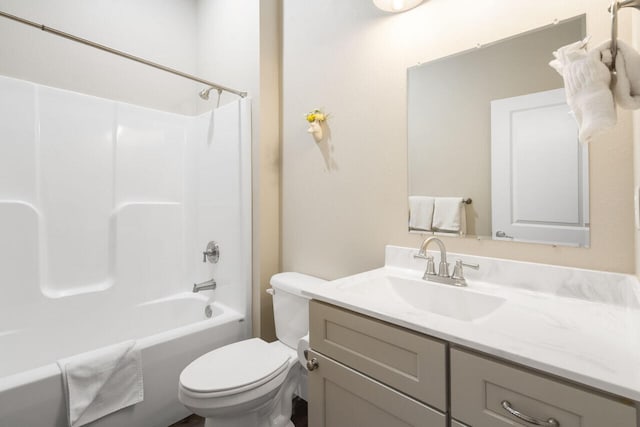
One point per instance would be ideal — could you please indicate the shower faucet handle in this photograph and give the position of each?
(211, 253)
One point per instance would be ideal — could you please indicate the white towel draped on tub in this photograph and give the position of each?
(420, 213)
(100, 382)
(449, 215)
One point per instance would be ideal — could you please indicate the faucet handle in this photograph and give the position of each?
(474, 266)
(422, 255)
(211, 253)
(458, 272)
(431, 266)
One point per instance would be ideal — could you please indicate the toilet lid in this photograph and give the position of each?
(238, 365)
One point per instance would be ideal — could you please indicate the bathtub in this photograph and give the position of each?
(171, 332)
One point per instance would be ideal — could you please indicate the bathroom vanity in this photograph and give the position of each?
(523, 345)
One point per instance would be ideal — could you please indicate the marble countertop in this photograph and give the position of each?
(578, 324)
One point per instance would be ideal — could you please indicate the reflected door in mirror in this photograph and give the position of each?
(538, 171)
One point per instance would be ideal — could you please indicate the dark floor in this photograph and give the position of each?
(190, 421)
(298, 417)
(299, 414)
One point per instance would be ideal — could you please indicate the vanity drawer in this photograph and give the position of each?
(402, 359)
(479, 386)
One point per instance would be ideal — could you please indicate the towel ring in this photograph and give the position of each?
(615, 6)
(614, 34)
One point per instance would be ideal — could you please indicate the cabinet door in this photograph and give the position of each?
(411, 363)
(488, 393)
(342, 397)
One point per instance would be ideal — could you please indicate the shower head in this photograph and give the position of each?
(204, 93)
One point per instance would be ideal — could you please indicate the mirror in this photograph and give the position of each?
(490, 126)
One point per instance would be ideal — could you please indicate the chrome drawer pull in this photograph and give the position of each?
(551, 422)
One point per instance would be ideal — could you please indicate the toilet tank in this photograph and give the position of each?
(290, 307)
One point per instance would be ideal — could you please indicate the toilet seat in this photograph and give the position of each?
(234, 368)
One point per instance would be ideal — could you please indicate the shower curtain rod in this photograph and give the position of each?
(122, 54)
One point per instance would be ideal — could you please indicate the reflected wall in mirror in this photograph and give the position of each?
(491, 125)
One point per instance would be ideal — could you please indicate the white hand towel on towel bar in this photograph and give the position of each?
(626, 89)
(586, 81)
(420, 213)
(449, 215)
(102, 381)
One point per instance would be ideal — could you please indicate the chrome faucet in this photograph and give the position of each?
(456, 279)
(204, 286)
(443, 268)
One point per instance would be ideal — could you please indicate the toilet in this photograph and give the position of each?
(251, 383)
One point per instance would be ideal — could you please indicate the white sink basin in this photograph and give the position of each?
(444, 300)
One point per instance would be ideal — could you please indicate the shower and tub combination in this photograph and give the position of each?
(106, 209)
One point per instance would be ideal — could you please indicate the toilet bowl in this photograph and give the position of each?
(251, 383)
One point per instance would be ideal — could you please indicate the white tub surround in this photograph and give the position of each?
(582, 325)
(98, 195)
(105, 211)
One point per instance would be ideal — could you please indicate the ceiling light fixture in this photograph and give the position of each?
(396, 5)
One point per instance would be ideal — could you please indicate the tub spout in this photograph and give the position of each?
(204, 286)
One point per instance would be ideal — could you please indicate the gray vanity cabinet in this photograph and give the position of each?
(488, 393)
(371, 373)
